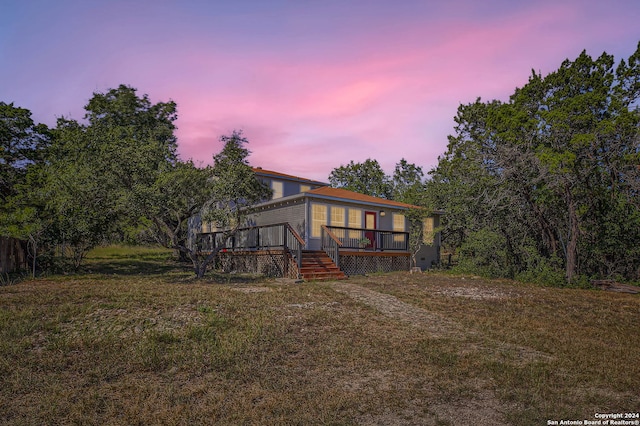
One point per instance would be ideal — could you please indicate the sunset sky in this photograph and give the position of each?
(313, 84)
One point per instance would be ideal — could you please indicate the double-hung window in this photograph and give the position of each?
(398, 226)
(318, 218)
(427, 230)
(355, 221)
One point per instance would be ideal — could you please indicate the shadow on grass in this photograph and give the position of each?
(215, 277)
(133, 267)
(153, 261)
(125, 260)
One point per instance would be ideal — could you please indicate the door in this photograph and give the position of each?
(370, 223)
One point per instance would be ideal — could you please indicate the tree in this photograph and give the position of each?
(365, 178)
(98, 178)
(22, 143)
(133, 143)
(179, 193)
(78, 195)
(408, 186)
(550, 174)
(23, 147)
(234, 191)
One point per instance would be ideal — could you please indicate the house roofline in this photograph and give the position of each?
(311, 196)
(351, 201)
(282, 200)
(273, 174)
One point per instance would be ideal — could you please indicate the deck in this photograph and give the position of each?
(277, 250)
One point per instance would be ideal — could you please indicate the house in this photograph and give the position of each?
(312, 230)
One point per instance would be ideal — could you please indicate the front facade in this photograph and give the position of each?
(359, 226)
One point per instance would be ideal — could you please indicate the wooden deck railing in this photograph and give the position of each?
(369, 239)
(280, 235)
(336, 239)
(330, 244)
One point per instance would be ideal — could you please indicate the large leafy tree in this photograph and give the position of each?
(99, 174)
(133, 143)
(23, 148)
(550, 176)
(74, 203)
(179, 192)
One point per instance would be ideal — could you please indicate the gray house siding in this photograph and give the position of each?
(428, 256)
(288, 187)
(292, 213)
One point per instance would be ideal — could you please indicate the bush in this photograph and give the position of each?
(483, 253)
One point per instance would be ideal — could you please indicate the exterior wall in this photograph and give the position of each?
(428, 256)
(292, 213)
(194, 227)
(289, 187)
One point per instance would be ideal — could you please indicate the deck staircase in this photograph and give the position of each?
(317, 265)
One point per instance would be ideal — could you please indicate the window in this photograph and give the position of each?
(398, 225)
(427, 230)
(206, 227)
(398, 222)
(338, 219)
(318, 218)
(305, 188)
(277, 188)
(337, 216)
(355, 221)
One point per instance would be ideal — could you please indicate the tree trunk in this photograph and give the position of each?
(201, 267)
(572, 244)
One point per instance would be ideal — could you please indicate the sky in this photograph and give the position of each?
(312, 84)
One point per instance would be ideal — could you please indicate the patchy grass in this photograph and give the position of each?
(135, 339)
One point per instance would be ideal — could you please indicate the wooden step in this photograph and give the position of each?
(316, 265)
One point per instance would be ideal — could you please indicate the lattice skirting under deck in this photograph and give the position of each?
(359, 264)
(269, 263)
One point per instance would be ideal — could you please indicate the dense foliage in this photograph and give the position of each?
(114, 177)
(405, 185)
(549, 180)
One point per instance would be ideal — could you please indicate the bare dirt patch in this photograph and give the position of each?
(438, 325)
(393, 307)
(476, 293)
(252, 289)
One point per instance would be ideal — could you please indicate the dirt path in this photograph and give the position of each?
(393, 307)
(483, 408)
(435, 324)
